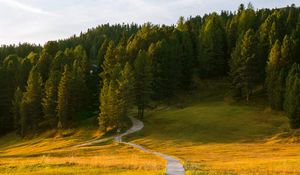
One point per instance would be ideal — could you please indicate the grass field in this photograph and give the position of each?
(47, 154)
(213, 137)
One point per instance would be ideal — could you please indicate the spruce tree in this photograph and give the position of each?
(16, 109)
(279, 62)
(143, 81)
(50, 98)
(124, 92)
(101, 52)
(292, 97)
(213, 45)
(109, 62)
(273, 67)
(103, 108)
(26, 66)
(243, 66)
(113, 97)
(7, 87)
(82, 60)
(79, 87)
(31, 107)
(43, 64)
(247, 19)
(186, 59)
(65, 107)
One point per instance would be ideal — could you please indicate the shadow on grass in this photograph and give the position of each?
(206, 118)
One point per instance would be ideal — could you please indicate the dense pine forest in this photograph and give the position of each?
(112, 69)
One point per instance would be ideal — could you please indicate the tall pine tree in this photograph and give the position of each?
(143, 81)
(292, 97)
(65, 107)
(31, 107)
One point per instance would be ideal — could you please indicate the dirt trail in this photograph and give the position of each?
(174, 166)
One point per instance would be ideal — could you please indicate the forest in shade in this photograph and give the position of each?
(111, 69)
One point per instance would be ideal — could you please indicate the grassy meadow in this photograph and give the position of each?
(209, 133)
(214, 136)
(48, 155)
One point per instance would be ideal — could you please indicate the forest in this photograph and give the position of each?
(112, 69)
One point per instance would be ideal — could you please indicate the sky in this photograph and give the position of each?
(38, 21)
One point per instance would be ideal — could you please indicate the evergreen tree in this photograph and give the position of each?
(185, 60)
(81, 73)
(275, 87)
(243, 64)
(31, 106)
(280, 59)
(143, 81)
(120, 52)
(292, 97)
(104, 113)
(124, 92)
(79, 87)
(101, 52)
(26, 66)
(65, 107)
(82, 60)
(50, 99)
(212, 39)
(165, 62)
(247, 19)
(109, 62)
(16, 109)
(6, 96)
(43, 64)
(108, 99)
(288, 51)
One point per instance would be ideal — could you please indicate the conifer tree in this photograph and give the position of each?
(166, 68)
(243, 64)
(16, 108)
(113, 97)
(101, 52)
(109, 62)
(31, 107)
(50, 98)
(26, 66)
(143, 81)
(280, 59)
(104, 113)
(247, 19)
(65, 107)
(44, 63)
(212, 41)
(292, 97)
(184, 58)
(124, 92)
(82, 60)
(9, 82)
(79, 85)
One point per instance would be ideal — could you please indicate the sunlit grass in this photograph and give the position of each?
(56, 155)
(213, 137)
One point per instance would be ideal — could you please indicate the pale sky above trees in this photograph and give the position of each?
(37, 21)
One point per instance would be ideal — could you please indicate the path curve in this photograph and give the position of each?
(174, 166)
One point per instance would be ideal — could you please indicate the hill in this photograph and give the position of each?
(213, 137)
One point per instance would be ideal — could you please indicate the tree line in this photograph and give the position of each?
(112, 68)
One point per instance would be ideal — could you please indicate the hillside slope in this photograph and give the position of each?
(214, 137)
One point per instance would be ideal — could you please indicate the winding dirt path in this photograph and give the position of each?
(174, 166)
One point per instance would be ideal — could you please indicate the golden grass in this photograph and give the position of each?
(233, 158)
(215, 138)
(45, 155)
